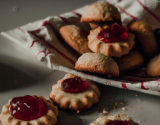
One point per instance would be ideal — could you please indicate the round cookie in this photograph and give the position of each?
(113, 49)
(75, 101)
(50, 118)
(144, 33)
(121, 119)
(97, 63)
(153, 67)
(75, 37)
(101, 12)
(130, 61)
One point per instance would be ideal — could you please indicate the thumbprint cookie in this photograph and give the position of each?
(121, 119)
(29, 110)
(113, 41)
(75, 93)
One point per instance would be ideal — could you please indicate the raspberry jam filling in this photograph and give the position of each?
(74, 85)
(117, 122)
(27, 107)
(113, 34)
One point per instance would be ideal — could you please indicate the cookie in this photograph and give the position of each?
(75, 37)
(97, 63)
(121, 119)
(130, 61)
(153, 67)
(96, 25)
(116, 46)
(29, 110)
(144, 33)
(101, 12)
(75, 93)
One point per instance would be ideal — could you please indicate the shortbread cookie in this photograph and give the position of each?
(130, 61)
(101, 12)
(97, 63)
(121, 119)
(75, 37)
(145, 34)
(75, 93)
(113, 41)
(153, 67)
(29, 110)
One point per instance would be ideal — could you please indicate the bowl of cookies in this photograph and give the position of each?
(99, 43)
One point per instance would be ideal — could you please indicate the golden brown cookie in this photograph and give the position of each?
(112, 49)
(144, 33)
(101, 12)
(75, 37)
(130, 61)
(153, 67)
(96, 25)
(97, 63)
(12, 110)
(120, 119)
(69, 97)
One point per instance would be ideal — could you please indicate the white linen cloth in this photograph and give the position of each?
(56, 55)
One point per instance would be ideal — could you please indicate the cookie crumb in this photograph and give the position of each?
(130, 106)
(136, 95)
(143, 119)
(84, 121)
(105, 112)
(138, 100)
(124, 109)
(15, 9)
(78, 111)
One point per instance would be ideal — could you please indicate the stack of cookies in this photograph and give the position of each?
(110, 48)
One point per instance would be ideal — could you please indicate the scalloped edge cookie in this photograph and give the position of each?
(115, 49)
(104, 119)
(75, 101)
(49, 119)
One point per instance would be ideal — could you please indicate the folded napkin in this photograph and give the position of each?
(41, 37)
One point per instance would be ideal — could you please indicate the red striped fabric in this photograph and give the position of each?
(149, 11)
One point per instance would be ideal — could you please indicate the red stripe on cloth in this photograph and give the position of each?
(107, 2)
(48, 53)
(62, 54)
(142, 86)
(122, 10)
(33, 43)
(148, 10)
(77, 14)
(64, 19)
(21, 29)
(124, 85)
(41, 52)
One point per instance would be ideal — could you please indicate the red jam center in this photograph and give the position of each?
(27, 108)
(74, 85)
(117, 122)
(113, 34)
